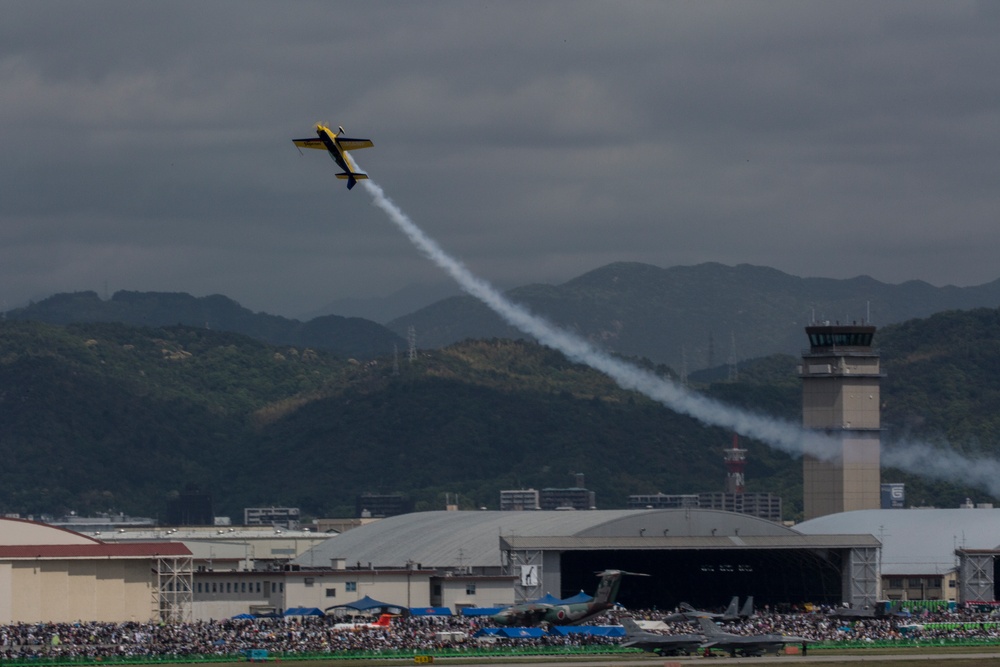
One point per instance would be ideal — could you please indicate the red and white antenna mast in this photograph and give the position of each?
(736, 461)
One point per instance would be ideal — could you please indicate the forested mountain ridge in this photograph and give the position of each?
(344, 336)
(943, 379)
(98, 417)
(696, 316)
(692, 317)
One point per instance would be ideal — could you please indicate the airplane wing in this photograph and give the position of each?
(354, 144)
(309, 143)
(526, 614)
(534, 614)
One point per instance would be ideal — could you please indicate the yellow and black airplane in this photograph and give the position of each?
(337, 145)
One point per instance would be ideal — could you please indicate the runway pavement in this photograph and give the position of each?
(923, 659)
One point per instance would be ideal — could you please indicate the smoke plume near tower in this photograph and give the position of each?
(919, 458)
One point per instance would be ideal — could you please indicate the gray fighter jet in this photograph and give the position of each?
(747, 645)
(636, 637)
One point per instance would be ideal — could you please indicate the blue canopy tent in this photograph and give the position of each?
(486, 632)
(244, 617)
(304, 611)
(548, 598)
(430, 611)
(370, 605)
(366, 603)
(592, 630)
(512, 633)
(515, 633)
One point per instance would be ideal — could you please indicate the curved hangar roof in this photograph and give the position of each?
(916, 541)
(451, 539)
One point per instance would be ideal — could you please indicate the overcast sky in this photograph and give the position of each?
(147, 145)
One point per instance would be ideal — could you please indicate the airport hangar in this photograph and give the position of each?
(50, 574)
(928, 553)
(699, 556)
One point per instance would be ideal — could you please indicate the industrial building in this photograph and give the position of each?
(761, 505)
(701, 556)
(55, 575)
(279, 517)
(576, 497)
(461, 559)
(241, 548)
(927, 554)
(519, 500)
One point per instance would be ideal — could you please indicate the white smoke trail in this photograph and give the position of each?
(785, 436)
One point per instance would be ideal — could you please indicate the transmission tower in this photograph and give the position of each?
(395, 359)
(734, 373)
(411, 339)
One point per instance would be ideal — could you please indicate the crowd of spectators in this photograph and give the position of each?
(322, 634)
(823, 625)
(225, 637)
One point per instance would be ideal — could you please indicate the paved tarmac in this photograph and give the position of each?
(956, 659)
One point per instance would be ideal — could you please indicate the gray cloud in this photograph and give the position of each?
(147, 146)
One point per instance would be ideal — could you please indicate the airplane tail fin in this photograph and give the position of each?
(746, 611)
(607, 589)
(732, 611)
(709, 627)
(384, 621)
(631, 627)
(352, 178)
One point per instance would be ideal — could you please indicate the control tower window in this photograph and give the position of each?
(840, 339)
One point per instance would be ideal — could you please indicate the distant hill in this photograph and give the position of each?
(101, 416)
(688, 317)
(346, 337)
(386, 308)
(694, 316)
(106, 416)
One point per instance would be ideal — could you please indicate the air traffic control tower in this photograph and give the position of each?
(840, 397)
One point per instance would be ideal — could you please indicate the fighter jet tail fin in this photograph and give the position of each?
(631, 627)
(732, 611)
(709, 627)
